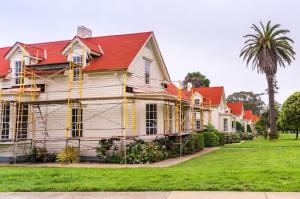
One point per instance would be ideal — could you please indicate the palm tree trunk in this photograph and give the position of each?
(273, 125)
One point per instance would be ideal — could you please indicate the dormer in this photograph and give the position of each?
(198, 98)
(81, 50)
(21, 55)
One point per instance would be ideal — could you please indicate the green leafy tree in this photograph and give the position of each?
(290, 113)
(251, 101)
(197, 80)
(239, 127)
(266, 49)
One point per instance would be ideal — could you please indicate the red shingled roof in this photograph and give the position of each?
(173, 90)
(248, 115)
(213, 94)
(119, 51)
(255, 118)
(236, 107)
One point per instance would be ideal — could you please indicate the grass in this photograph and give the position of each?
(259, 165)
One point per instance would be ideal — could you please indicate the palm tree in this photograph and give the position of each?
(266, 49)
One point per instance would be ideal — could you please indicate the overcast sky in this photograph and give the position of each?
(199, 35)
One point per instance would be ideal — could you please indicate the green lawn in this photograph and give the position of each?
(259, 165)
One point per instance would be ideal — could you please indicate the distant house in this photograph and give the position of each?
(247, 119)
(220, 116)
(237, 110)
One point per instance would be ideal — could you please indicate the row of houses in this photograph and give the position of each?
(82, 90)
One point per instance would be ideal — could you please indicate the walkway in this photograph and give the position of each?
(164, 163)
(153, 195)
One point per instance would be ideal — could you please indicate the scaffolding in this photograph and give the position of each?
(29, 106)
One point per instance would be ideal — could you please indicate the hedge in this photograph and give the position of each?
(211, 139)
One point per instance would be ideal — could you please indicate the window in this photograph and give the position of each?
(151, 119)
(170, 118)
(147, 71)
(5, 121)
(22, 121)
(225, 124)
(77, 68)
(19, 78)
(198, 125)
(197, 101)
(232, 124)
(77, 123)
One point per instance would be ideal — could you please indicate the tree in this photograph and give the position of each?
(290, 113)
(251, 101)
(266, 49)
(239, 127)
(197, 80)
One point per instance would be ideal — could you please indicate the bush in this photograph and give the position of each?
(68, 155)
(140, 152)
(40, 154)
(201, 140)
(221, 137)
(211, 139)
(231, 137)
(247, 136)
(249, 128)
(239, 127)
(236, 138)
(107, 152)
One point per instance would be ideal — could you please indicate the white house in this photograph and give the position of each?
(82, 90)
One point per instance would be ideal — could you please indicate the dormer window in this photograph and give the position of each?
(78, 64)
(147, 71)
(18, 73)
(197, 101)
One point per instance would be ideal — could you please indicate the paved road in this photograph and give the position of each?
(152, 195)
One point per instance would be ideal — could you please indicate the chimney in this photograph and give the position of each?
(84, 32)
(189, 86)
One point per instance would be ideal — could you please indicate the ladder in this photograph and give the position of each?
(39, 117)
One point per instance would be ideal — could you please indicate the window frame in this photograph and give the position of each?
(147, 68)
(197, 101)
(151, 119)
(77, 60)
(22, 133)
(18, 72)
(74, 121)
(225, 125)
(198, 124)
(5, 119)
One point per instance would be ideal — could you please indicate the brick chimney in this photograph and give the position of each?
(84, 32)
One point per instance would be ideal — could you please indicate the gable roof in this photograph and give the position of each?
(173, 90)
(119, 51)
(248, 115)
(236, 107)
(211, 94)
(255, 118)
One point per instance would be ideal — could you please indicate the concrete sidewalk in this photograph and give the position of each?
(153, 195)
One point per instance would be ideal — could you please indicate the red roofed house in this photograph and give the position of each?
(237, 110)
(247, 119)
(219, 116)
(82, 90)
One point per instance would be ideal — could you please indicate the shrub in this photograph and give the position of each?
(201, 140)
(211, 139)
(247, 136)
(140, 152)
(40, 154)
(239, 127)
(221, 137)
(68, 155)
(249, 128)
(107, 152)
(236, 138)
(231, 137)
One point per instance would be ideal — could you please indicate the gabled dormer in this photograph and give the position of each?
(21, 55)
(82, 51)
(198, 99)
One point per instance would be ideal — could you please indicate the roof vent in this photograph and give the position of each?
(84, 32)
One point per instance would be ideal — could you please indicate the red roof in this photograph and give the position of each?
(211, 94)
(119, 51)
(248, 115)
(173, 90)
(236, 107)
(255, 118)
